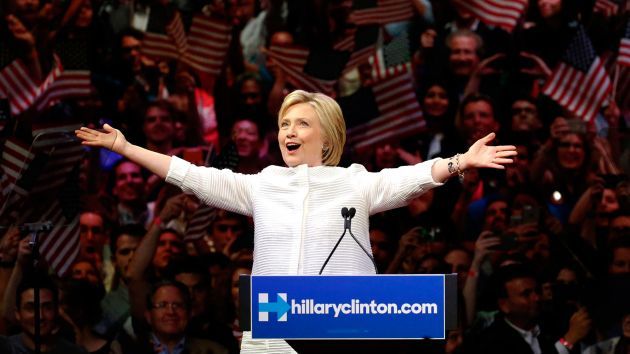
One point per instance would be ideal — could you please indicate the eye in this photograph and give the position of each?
(304, 123)
(284, 124)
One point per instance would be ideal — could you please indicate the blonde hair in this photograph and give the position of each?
(330, 118)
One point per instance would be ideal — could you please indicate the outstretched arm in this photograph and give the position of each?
(479, 155)
(115, 141)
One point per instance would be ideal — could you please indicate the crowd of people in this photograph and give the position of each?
(541, 249)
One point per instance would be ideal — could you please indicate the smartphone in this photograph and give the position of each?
(508, 241)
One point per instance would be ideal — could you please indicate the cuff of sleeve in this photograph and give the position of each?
(429, 175)
(177, 171)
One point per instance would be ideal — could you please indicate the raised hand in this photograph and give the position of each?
(539, 69)
(19, 31)
(481, 155)
(109, 138)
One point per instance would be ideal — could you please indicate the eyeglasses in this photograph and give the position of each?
(175, 306)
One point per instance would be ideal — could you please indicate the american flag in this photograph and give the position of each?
(60, 246)
(199, 222)
(579, 83)
(624, 47)
(392, 58)
(204, 49)
(16, 157)
(69, 84)
(387, 111)
(208, 43)
(309, 70)
(160, 45)
(22, 91)
(368, 12)
(500, 13)
(606, 7)
(361, 42)
(176, 31)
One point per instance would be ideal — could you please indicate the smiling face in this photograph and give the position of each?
(436, 101)
(571, 151)
(300, 136)
(245, 136)
(169, 314)
(463, 57)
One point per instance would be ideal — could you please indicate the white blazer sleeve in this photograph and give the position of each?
(395, 187)
(219, 188)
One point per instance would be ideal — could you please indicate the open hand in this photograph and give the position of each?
(19, 31)
(481, 155)
(109, 138)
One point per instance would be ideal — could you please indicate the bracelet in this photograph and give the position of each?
(566, 343)
(454, 168)
(472, 273)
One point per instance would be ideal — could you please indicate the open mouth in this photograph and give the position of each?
(293, 146)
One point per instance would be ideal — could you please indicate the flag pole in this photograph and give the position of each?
(615, 82)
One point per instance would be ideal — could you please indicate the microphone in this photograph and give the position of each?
(347, 215)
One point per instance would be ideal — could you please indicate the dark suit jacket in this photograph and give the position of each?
(500, 338)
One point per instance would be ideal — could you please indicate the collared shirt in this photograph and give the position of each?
(452, 27)
(159, 348)
(530, 337)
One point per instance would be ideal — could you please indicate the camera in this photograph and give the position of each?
(509, 241)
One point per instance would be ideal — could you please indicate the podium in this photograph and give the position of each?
(373, 313)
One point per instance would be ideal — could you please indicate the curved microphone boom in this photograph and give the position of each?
(347, 215)
(351, 214)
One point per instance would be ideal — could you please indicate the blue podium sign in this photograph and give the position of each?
(348, 307)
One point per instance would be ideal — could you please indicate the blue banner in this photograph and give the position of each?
(348, 307)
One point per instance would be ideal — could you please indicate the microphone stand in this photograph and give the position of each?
(35, 229)
(347, 215)
(346, 224)
(351, 213)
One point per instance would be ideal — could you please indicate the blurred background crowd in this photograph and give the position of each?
(541, 249)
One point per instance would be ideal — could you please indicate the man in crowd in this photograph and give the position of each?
(516, 328)
(168, 313)
(51, 343)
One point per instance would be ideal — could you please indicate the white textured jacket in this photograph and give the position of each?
(297, 211)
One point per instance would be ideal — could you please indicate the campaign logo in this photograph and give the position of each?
(280, 307)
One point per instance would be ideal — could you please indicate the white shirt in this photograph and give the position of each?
(531, 338)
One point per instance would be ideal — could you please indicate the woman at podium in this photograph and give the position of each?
(296, 209)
